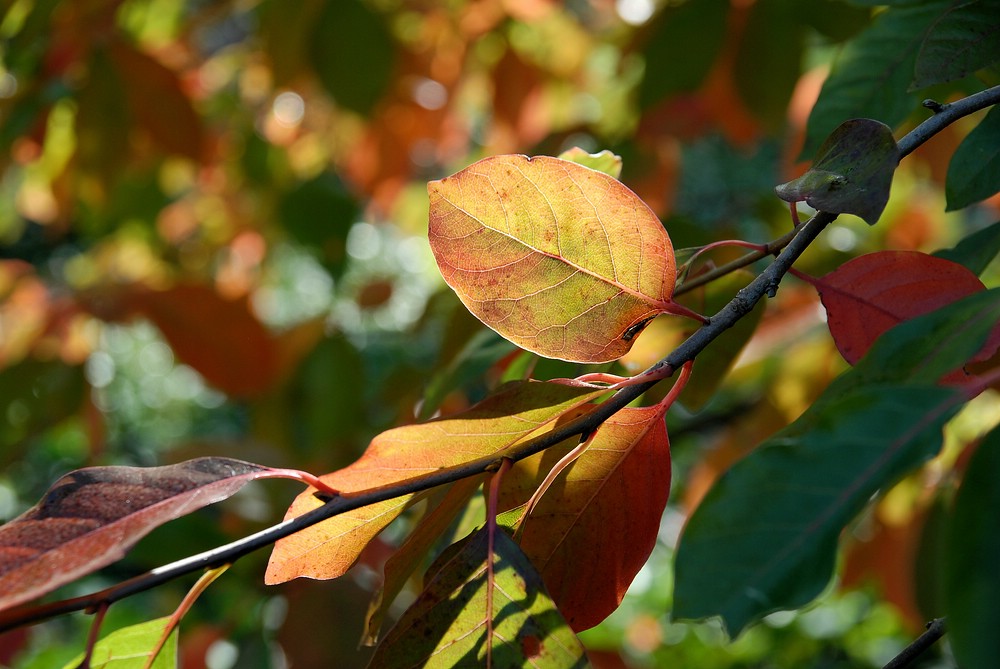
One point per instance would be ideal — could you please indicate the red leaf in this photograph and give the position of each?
(870, 294)
(220, 338)
(595, 527)
(90, 517)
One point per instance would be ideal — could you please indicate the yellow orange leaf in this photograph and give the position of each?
(560, 259)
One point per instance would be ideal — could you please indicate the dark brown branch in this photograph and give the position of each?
(935, 630)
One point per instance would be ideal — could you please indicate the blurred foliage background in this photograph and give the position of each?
(212, 241)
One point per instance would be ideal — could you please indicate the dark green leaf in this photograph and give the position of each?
(768, 62)
(319, 213)
(973, 580)
(975, 251)
(682, 48)
(446, 625)
(36, 395)
(765, 536)
(974, 170)
(852, 173)
(353, 53)
(964, 39)
(871, 74)
(837, 20)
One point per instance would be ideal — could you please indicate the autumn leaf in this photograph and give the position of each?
(558, 258)
(870, 294)
(596, 525)
(330, 548)
(90, 517)
(447, 625)
(852, 172)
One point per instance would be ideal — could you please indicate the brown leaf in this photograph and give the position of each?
(90, 517)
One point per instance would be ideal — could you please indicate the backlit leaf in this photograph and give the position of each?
(973, 552)
(130, 648)
(868, 295)
(328, 549)
(447, 625)
(765, 536)
(605, 161)
(852, 172)
(560, 259)
(596, 525)
(90, 517)
(974, 170)
(964, 39)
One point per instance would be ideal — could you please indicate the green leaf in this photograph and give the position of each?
(977, 250)
(319, 213)
(353, 54)
(974, 170)
(852, 172)
(130, 648)
(605, 161)
(837, 20)
(446, 625)
(768, 62)
(972, 577)
(479, 354)
(964, 39)
(765, 536)
(871, 74)
(682, 48)
(35, 395)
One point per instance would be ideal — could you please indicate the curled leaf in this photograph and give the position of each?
(560, 259)
(852, 172)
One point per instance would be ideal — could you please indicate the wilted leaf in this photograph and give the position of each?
(605, 161)
(130, 648)
(596, 525)
(447, 625)
(852, 172)
(964, 39)
(560, 259)
(973, 552)
(976, 251)
(90, 517)
(328, 549)
(868, 295)
(974, 170)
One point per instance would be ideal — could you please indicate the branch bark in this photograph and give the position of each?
(766, 283)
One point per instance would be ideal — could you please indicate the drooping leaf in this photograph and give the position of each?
(764, 538)
(130, 648)
(973, 552)
(560, 259)
(353, 53)
(605, 161)
(974, 169)
(691, 33)
(964, 39)
(852, 172)
(976, 251)
(868, 295)
(158, 102)
(237, 354)
(405, 560)
(90, 517)
(328, 549)
(596, 525)
(871, 74)
(447, 625)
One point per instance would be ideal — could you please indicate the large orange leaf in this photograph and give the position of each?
(90, 517)
(870, 294)
(328, 549)
(596, 525)
(558, 258)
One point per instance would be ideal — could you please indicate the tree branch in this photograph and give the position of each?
(766, 283)
(935, 630)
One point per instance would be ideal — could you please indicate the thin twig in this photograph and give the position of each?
(766, 283)
(935, 630)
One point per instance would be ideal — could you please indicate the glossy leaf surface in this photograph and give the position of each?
(560, 259)
(852, 172)
(130, 648)
(328, 549)
(90, 517)
(447, 625)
